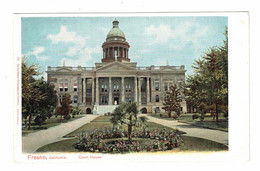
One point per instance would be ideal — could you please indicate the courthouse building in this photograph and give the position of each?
(116, 79)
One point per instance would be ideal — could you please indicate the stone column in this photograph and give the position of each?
(108, 55)
(110, 92)
(139, 90)
(92, 91)
(84, 90)
(136, 90)
(161, 84)
(148, 89)
(122, 89)
(113, 52)
(97, 91)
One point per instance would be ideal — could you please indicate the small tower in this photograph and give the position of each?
(115, 44)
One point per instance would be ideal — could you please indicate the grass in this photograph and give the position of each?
(190, 143)
(208, 121)
(53, 121)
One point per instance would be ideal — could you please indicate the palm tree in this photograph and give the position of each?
(127, 113)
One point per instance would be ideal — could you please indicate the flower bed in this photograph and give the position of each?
(97, 140)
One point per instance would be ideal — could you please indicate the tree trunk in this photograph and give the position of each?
(130, 134)
(217, 112)
(30, 119)
(169, 114)
(191, 109)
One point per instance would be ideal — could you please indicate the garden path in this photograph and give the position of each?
(193, 131)
(31, 142)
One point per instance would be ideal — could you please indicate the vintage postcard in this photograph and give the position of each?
(105, 87)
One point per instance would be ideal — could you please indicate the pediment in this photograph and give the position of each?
(116, 66)
(64, 69)
(167, 68)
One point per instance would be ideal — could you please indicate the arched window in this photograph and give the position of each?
(75, 99)
(157, 98)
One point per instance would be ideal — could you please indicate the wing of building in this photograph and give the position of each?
(116, 79)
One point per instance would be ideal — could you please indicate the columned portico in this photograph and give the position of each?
(139, 91)
(110, 92)
(84, 90)
(148, 89)
(92, 91)
(97, 91)
(136, 89)
(123, 89)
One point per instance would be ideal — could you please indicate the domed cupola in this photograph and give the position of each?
(115, 33)
(116, 47)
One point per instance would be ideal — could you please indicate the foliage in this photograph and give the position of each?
(160, 140)
(64, 109)
(38, 97)
(195, 116)
(208, 86)
(172, 101)
(126, 113)
(74, 111)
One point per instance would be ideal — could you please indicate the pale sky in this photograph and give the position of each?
(48, 41)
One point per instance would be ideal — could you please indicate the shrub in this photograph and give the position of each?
(195, 116)
(225, 115)
(108, 114)
(175, 116)
(160, 115)
(201, 118)
(49, 115)
(67, 117)
(160, 140)
(39, 120)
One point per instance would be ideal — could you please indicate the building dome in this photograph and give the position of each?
(115, 33)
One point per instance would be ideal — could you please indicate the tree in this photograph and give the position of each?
(208, 86)
(47, 104)
(38, 97)
(127, 113)
(31, 95)
(64, 109)
(172, 101)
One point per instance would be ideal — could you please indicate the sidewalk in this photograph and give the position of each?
(33, 141)
(214, 135)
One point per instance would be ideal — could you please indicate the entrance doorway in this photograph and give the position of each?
(116, 100)
(144, 110)
(88, 111)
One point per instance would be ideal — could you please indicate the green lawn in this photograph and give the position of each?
(207, 123)
(190, 143)
(53, 121)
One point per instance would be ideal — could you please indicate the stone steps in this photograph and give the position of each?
(102, 109)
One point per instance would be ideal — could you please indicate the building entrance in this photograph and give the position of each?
(116, 100)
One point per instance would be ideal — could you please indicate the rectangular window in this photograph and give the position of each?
(166, 86)
(75, 99)
(61, 87)
(156, 86)
(75, 87)
(66, 87)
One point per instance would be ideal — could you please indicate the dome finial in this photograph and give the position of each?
(115, 23)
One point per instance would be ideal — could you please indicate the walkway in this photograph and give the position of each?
(193, 131)
(33, 141)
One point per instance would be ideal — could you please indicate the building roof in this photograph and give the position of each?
(115, 32)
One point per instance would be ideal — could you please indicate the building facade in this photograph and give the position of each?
(116, 79)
